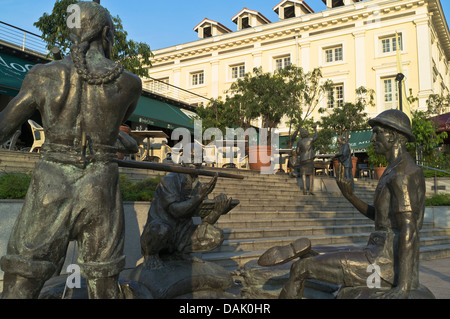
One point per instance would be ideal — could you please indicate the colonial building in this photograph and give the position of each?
(354, 43)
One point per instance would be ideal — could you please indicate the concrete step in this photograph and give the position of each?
(431, 248)
(287, 222)
(292, 214)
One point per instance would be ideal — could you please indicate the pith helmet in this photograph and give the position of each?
(396, 120)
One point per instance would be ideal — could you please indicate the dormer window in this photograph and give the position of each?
(247, 18)
(207, 32)
(289, 12)
(245, 23)
(287, 9)
(210, 28)
(338, 3)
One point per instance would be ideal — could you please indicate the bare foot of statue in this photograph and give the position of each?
(282, 254)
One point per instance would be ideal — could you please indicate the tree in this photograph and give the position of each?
(426, 137)
(134, 56)
(347, 117)
(438, 104)
(306, 91)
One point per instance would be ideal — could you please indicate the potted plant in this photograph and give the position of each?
(377, 161)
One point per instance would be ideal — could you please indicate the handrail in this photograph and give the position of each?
(434, 169)
(435, 175)
(22, 39)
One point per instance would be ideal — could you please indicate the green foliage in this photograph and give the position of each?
(287, 92)
(134, 56)
(438, 200)
(428, 173)
(376, 160)
(426, 137)
(14, 185)
(138, 191)
(262, 94)
(343, 119)
(348, 116)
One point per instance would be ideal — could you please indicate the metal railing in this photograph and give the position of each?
(173, 92)
(30, 42)
(21, 39)
(435, 175)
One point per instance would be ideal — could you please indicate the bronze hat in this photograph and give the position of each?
(396, 120)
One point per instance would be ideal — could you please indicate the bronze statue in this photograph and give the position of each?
(171, 230)
(305, 153)
(345, 158)
(74, 193)
(393, 247)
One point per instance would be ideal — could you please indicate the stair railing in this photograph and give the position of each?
(435, 175)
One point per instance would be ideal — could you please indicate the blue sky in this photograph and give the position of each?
(147, 20)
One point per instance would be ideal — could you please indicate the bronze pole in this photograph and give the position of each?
(175, 169)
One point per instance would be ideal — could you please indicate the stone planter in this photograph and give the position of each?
(257, 157)
(438, 215)
(379, 171)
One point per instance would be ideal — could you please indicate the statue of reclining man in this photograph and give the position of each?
(398, 212)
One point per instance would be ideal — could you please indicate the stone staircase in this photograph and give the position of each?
(273, 211)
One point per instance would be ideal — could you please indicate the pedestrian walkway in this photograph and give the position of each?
(435, 275)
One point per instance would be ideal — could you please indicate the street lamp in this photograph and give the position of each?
(399, 78)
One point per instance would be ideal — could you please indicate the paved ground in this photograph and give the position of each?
(435, 275)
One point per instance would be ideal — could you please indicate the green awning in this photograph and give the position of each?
(160, 114)
(12, 73)
(360, 140)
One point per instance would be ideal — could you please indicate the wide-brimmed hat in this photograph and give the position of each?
(396, 120)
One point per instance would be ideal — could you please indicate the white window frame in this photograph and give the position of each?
(390, 97)
(380, 37)
(281, 61)
(333, 47)
(199, 74)
(338, 100)
(237, 71)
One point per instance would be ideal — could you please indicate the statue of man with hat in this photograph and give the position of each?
(393, 247)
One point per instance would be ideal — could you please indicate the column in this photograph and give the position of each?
(215, 79)
(424, 57)
(360, 58)
(305, 56)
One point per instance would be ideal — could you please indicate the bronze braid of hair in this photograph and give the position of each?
(78, 52)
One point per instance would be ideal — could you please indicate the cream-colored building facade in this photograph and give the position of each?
(353, 42)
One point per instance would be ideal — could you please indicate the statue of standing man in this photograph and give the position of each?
(305, 152)
(345, 159)
(394, 245)
(74, 192)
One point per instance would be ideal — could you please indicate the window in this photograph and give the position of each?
(336, 96)
(390, 92)
(334, 54)
(289, 12)
(391, 43)
(237, 71)
(282, 62)
(245, 23)
(197, 78)
(207, 32)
